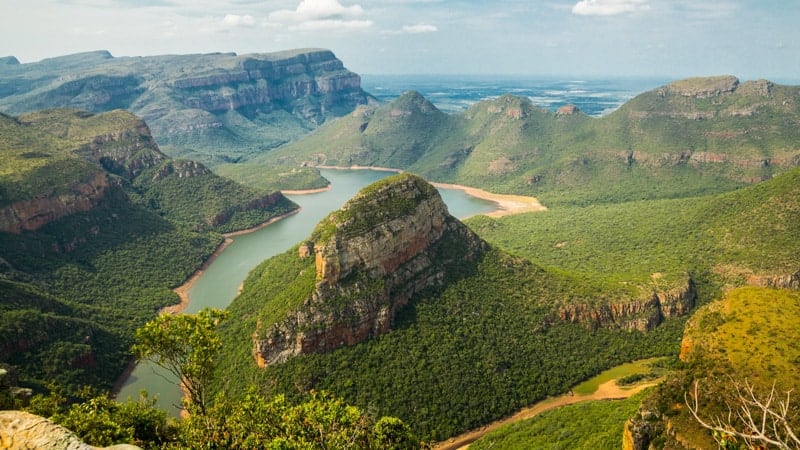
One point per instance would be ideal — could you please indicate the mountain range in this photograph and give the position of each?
(687, 138)
(212, 108)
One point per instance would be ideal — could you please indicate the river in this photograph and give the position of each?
(220, 282)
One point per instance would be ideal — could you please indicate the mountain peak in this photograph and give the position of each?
(413, 102)
(390, 242)
(704, 87)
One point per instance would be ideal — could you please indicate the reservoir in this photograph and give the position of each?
(220, 282)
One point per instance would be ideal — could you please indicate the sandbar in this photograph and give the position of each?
(507, 204)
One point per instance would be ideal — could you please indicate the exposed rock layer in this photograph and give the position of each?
(642, 315)
(32, 214)
(185, 94)
(371, 258)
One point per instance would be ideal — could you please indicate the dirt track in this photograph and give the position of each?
(606, 391)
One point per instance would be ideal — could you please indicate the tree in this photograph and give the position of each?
(187, 346)
(761, 421)
(321, 421)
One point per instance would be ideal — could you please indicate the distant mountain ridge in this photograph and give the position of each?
(687, 138)
(210, 107)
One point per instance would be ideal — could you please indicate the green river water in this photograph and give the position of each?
(218, 285)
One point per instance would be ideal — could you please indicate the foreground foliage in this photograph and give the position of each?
(318, 421)
(187, 346)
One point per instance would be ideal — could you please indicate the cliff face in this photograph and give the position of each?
(67, 161)
(642, 315)
(392, 241)
(32, 214)
(113, 156)
(126, 151)
(275, 83)
(193, 95)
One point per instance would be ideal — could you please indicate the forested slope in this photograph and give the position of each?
(97, 226)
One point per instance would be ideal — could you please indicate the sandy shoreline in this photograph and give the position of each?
(507, 204)
(306, 191)
(378, 168)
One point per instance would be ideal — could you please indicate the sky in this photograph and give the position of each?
(660, 38)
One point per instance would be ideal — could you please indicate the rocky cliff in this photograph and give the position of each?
(246, 102)
(392, 241)
(63, 162)
(643, 314)
(34, 213)
(20, 430)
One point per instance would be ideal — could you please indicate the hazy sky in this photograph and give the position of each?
(674, 38)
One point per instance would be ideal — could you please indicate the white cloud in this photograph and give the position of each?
(235, 20)
(316, 25)
(420, 28)
(609, 7)
(314, 15)
(312, 10)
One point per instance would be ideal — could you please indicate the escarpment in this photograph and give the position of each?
(214, 107)
(63, 162)
(393, 240)
(641, 314)
(34, 213)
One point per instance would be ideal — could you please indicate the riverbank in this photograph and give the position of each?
(183, 289)
(306, 191)
(606, 391)
(507, 204)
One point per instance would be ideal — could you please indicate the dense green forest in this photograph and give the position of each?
(76, 285)
(720, 238)
(487, 343)
(480, 348)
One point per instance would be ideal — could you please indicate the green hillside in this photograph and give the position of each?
(92, 216)
(724, 238)
(688, 138)
(589, 425)
(746, 338)
(486, 343)
(487, 340)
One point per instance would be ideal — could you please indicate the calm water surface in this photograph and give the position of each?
(218, 286)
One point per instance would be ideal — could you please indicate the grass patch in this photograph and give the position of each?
(587, 425)
(644, 366)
